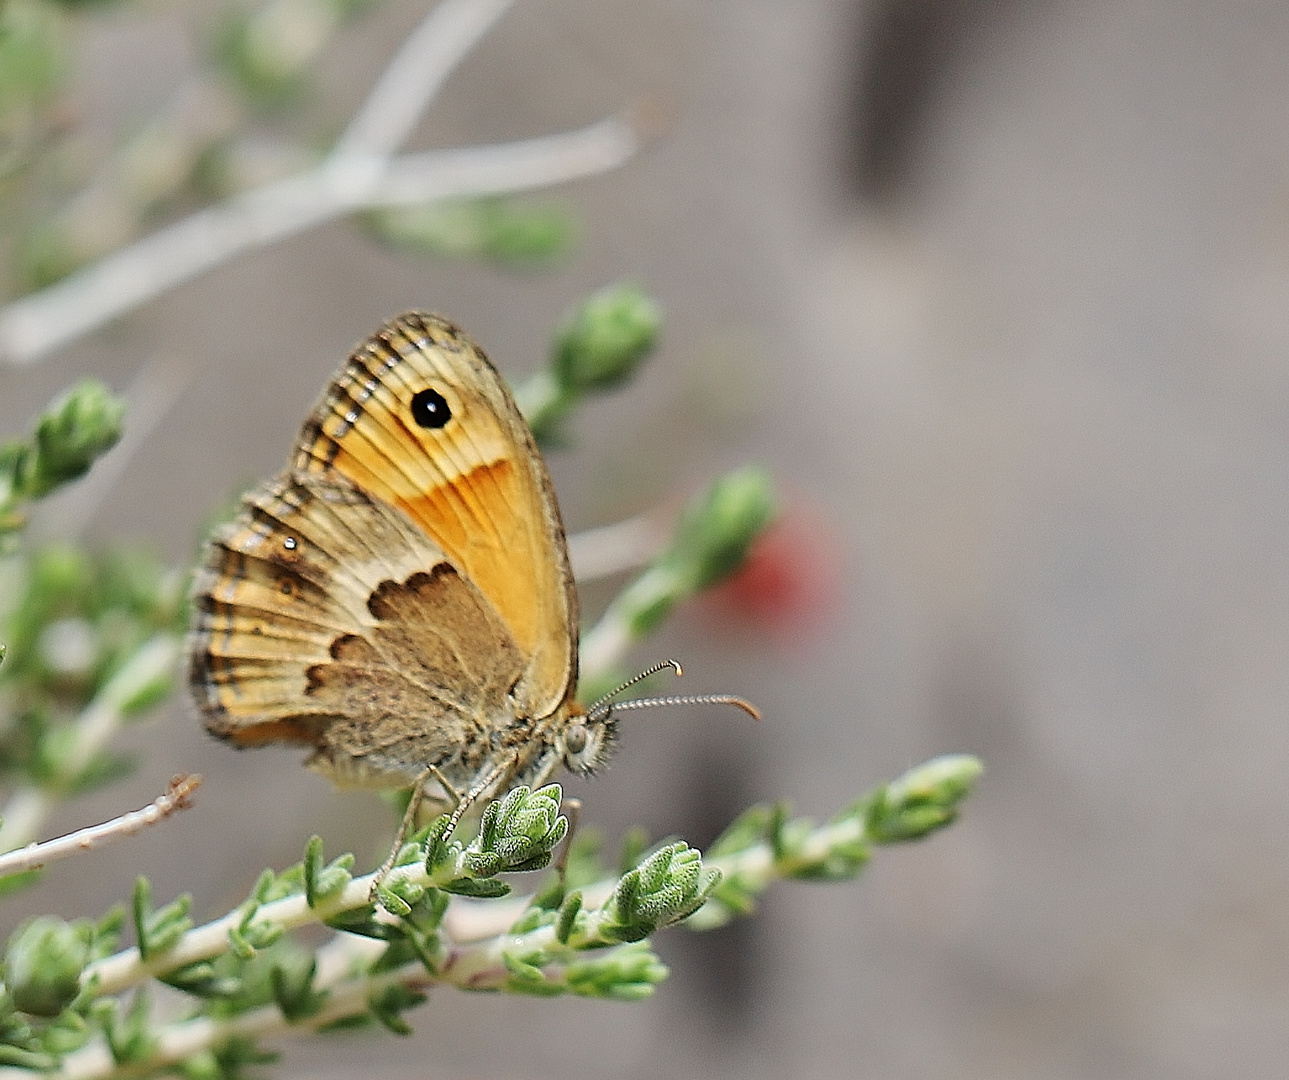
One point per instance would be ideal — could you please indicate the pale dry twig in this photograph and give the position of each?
(360, 173)
(177, 797)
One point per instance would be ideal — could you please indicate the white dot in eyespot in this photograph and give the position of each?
(289, 543)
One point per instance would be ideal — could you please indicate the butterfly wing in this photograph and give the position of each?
(324, 617)
(405, 588)
(476, 485)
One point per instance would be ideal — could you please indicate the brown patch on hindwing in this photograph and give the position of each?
(429, 683)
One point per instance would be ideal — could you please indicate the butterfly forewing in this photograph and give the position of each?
(476, 485)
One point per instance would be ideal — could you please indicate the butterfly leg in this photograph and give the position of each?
(502, 768)
(454, 796)
(405, 826)
(463, 803)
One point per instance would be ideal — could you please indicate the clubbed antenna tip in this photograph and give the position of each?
(647, 673)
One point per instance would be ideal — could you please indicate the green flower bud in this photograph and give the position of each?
(716, 529)
(924, 799)
(663, 889)
(944, 780)
(43, 964)
(601, 343)
(78, 427)
(518, 832)
(625, 973)
(266, 53)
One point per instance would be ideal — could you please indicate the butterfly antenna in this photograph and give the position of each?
(674, 665)
(690, 699)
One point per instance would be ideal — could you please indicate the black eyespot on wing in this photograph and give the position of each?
(430, 408)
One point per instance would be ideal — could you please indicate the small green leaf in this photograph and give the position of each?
(363, 922)
(240, 946)
(392, 902)
(158, 931)
(202, 980)
(322, 883)
(391, 1002)
(20, 1058)
(261, 892)
(291, 979)
(530, 920)
(482, 888)
(522, 970)
(438, 850)
(568, 913)
(128, 1037)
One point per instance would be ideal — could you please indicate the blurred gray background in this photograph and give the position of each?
(1000, 292)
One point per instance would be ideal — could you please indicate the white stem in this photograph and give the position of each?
(34, 326)
(37, 324)
(35, 855)
(514, 166)
(415, 74)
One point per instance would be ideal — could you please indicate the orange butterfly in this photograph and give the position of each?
(400, 599)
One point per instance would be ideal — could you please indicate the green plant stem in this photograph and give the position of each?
(467, 922)
(607, 642)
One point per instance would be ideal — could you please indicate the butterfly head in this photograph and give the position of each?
(586, 740)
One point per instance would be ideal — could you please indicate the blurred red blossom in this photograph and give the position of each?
(789, 583)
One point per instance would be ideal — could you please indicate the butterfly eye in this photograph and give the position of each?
(575, 739)
(430, 408)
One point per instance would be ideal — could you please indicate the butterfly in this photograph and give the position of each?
(400, 600)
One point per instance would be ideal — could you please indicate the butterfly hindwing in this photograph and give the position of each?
(324, 617)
